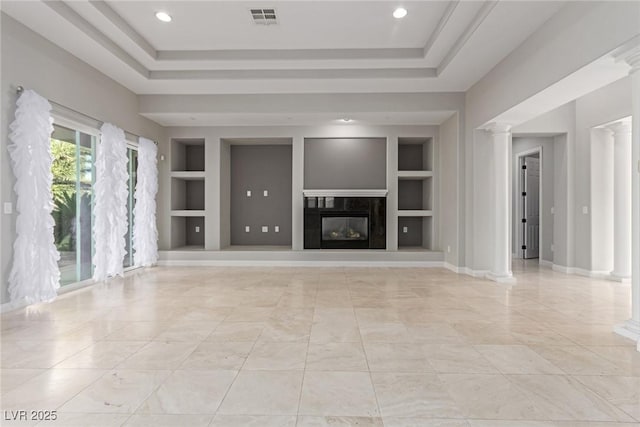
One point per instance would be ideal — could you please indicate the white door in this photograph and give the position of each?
(531, 208)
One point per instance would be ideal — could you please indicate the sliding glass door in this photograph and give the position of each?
(73, 177)
(132, 154)
(73, 154)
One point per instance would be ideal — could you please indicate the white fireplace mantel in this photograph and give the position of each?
(345, 193)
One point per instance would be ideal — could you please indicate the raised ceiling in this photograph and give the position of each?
(213, 47)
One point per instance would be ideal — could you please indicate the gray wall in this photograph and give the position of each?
(33, 62)
(258, 168)
(450, 235)
(345, 163)
(521, 145)
(414, 234)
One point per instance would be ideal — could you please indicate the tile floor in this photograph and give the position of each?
(334, 346)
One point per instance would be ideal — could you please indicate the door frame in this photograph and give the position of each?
(519, 158)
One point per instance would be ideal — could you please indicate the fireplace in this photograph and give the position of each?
(345, 223)
(338, 230)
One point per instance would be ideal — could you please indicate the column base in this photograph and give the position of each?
(622, 278)
(629, 329)
(502, 278)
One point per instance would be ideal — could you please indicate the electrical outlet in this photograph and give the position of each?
(405, 229)
(265, 228)
(8, 208)
(161, 157)
(266, 193)
(197, 229)
(247, 229)
(585, 210)
(553, 210)
(248, 193)
(553, 248)
(276, 229)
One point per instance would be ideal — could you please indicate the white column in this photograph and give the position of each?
(501, 265)
(622, 172)
(631, 328)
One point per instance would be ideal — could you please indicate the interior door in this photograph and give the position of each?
(531, 208)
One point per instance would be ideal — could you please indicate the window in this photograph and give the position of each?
(73, 177)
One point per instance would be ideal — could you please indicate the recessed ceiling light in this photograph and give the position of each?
(400, 12)
(346, 120)
(163, 16)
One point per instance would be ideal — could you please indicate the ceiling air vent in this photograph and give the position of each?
(264, 16)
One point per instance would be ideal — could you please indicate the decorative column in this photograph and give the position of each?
(631, 328)
(501, 212)
(622, 175)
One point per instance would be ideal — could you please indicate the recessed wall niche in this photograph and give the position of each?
(260, 191)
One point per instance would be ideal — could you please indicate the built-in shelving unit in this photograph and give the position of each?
(187, 194)
(415, 193)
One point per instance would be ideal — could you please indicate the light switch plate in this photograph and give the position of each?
(266, 193)
(449, 249)
(247, 229)
(405, 229)
(265, 228)
(248, 193)
(276, 229)
(197, 229)
(585, 210)
(553, 210)
(8, 208)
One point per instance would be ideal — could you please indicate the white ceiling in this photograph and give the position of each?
(352, 46)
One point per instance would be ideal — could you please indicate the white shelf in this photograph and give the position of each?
(415, 213)
(414, 174)
(188, 175)
(187, 213)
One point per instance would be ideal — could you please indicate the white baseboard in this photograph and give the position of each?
(473, 273)
(545, 263)
(454, 268)
(294, 263)
(594, 274)
(562, 269)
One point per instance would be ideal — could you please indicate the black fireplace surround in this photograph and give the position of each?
(345, 223)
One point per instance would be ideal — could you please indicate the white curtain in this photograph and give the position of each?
(145, 233)
(34, 275)
(110, 210)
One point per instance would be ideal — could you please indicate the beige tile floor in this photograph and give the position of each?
(333, 346)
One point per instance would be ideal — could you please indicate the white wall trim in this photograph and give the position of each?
(345, 193)
(454, 268)
(474, 273)
(545, 263)
(580, 271)
(15, 305)
(292, 263)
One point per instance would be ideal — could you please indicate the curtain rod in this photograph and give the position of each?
(20, 89)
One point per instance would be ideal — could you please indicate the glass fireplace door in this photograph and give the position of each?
(345, 228)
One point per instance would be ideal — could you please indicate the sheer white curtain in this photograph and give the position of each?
(110, 189)
(34, 275)
(145, 233)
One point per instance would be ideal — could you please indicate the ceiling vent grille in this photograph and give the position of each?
(264, 16)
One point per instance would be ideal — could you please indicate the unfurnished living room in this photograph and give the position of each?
(320, 213)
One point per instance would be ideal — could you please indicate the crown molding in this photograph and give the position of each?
(438, 30)
(75, 19)
(482, 14)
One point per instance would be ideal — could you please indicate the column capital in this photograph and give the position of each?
(621, 127)
(498, 128)
(630, 54)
